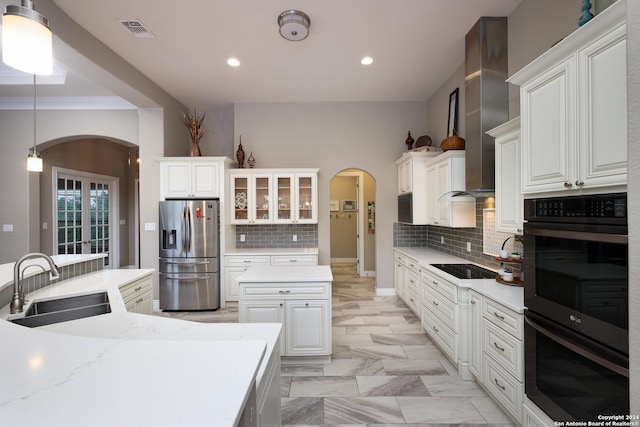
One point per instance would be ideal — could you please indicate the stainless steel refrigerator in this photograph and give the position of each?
(189, 255)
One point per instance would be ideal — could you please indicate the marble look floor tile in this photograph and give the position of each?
(428, 351)
(367, 410)
(338, 330)
(285, 385)
(353, 367)
(302, 410)
(340, 352)
(378, 351)
(323, 386)
(400, 339)
(348, 320)
(352, 339)
(489, 410)
(448, 366)
(391, 386)
(413, 367)
(345, 305)
(365, 311)
(301, 370)
(384, 320)
(405, 328)
(451, 385)
(412, 319)
(451, 410)
(367, 329)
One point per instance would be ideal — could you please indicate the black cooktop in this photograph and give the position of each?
(466, 271)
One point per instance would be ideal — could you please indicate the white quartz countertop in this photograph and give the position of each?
(300, 274)
(147, 370)
(272, 251)
(510, 296)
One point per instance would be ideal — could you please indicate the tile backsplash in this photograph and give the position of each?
(277, 236)
(455, 239)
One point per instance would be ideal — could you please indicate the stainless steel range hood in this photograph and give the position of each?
(486, 100)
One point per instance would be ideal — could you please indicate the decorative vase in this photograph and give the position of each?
(251, 161)
(195, 150)
(409, 141)
(240, 154)
(586, 12)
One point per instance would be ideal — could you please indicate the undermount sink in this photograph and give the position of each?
(41, 313)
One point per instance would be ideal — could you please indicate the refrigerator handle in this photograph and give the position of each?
(184, 229)
(188, 230)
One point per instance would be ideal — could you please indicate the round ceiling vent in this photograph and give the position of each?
(294, 25)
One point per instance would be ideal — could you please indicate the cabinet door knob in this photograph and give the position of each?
(495, 344)
(473, 301)
(568, 185)
(435, 329)
(306, 304)
(435, 303)
(579, 183)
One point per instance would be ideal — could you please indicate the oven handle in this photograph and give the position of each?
(577, 349)
(577, 235)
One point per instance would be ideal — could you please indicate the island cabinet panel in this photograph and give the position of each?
(138, 296)
(303, 308)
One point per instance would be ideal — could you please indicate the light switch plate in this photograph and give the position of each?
(243, 238)
(295, 237)
(7, 228)
(468, 246)
(149, 226)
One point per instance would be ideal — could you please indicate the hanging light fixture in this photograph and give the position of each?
(34, 162)
(27, 41)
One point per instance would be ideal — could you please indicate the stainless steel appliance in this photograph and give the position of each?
(405, 208)
(576, 299)
(189, 255)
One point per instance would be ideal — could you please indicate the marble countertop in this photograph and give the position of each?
(272, 251)
(300, 273)
(510, 296)
(148, 370)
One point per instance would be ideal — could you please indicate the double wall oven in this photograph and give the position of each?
(576, 295)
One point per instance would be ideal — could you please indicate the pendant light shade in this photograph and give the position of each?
(27, 41)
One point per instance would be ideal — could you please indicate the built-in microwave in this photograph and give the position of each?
(405, 208)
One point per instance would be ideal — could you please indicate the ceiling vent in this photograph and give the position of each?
(137, 28)
(294, 25)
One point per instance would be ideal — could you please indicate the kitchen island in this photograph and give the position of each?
(147, 370)
(297, 297)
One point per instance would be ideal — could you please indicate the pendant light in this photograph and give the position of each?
(34, 162)
(27, 41)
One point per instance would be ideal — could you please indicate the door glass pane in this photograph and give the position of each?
(262, 198)
(240, 185)
(284, 195)
(69, 202)
(98, 194)
(304, 198)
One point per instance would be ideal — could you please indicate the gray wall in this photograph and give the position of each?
(633, 88)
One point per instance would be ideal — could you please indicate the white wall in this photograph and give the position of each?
(334, 137)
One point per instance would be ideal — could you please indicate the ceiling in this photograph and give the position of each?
(416, 45)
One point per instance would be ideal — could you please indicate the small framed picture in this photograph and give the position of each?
(452, 125)
(334, 205)
(348, 205)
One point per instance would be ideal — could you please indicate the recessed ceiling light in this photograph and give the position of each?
(233, 62)
(367, 60)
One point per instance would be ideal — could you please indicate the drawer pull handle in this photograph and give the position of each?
(285, 292)
(498, 384)
(246, 261)
(498, 316)
(293, 260)
(434, 282)
(139, 300)
(473, 301)
(495, 344)
(435, 329)
(412, 281)
(280, 304)
(411, 265)
(411, 299)
(138, 288)
(435, 303)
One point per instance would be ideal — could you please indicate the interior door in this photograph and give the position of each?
(84, 212)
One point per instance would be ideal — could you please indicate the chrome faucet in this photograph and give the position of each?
(18, 293)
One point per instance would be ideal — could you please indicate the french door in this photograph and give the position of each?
(85, 214)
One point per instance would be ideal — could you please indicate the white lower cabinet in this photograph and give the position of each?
(304, 310)
(138, 296)
(532, 416)
(407, 281)
(475, 334)
(235, 265)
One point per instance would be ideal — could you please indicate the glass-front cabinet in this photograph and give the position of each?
(251, 198)
(274, 196)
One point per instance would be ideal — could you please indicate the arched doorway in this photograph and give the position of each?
(352, 220)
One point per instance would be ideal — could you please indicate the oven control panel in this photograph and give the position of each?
(613, 206)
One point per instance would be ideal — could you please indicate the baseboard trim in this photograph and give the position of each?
(385, 292)
(343, 260)
(369, 273)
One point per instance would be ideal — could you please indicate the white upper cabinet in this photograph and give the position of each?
(445, 177)
(192, 177)
(573, 106)
(274, 196)
(509, 200)
(412, 171)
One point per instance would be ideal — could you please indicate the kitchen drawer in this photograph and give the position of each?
(412, 265)
(445, 309)
(532, 416)
(413, 281)
(401, 258)
(238, 261)
(284, 260)
(287, 291)
(443, 336)
(414, 302)
(441, 286)
(505, 388)
(131, 290)
(505, 318)
(503, 348)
